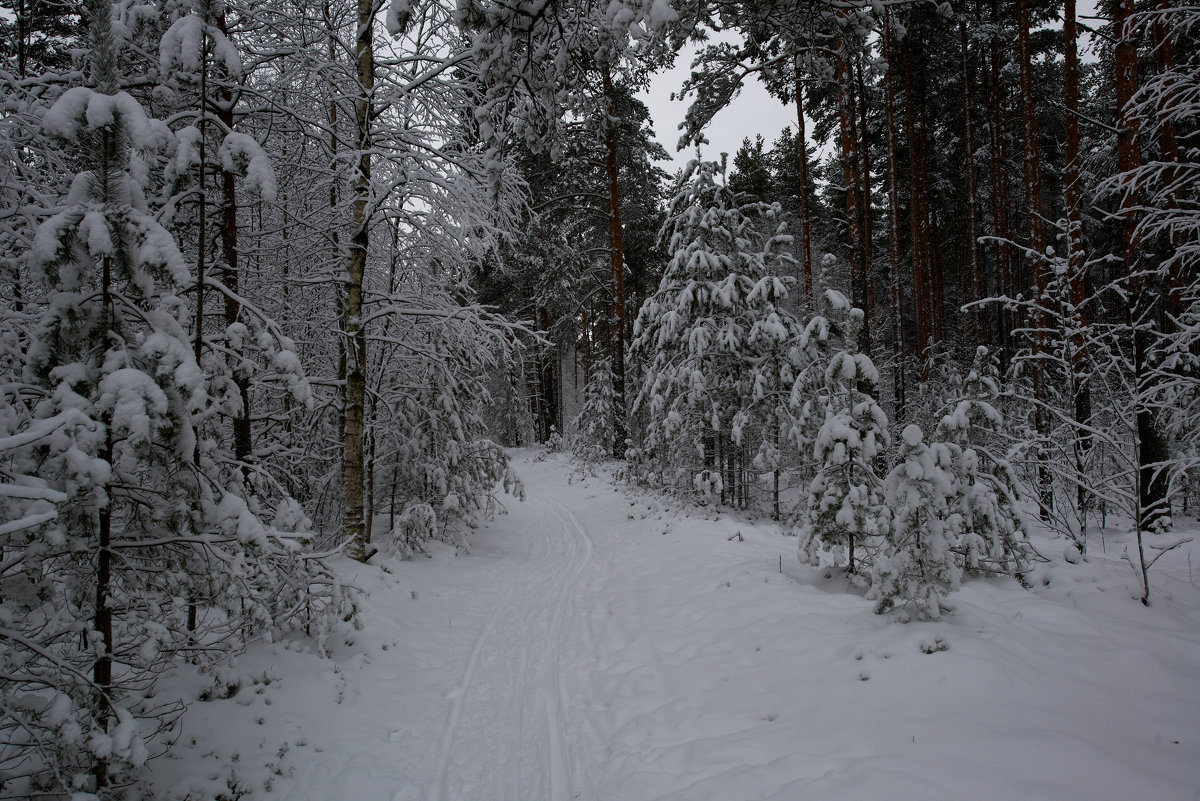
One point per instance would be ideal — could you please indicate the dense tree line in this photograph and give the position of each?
(284, 278)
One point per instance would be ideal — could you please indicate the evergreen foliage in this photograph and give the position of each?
(918, 565)
(844, 514)
(714, 340)
(595, 428)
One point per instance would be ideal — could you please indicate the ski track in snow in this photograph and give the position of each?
(517, 705)
(600, 645)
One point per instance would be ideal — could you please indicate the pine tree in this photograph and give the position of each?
(707, 338)
(918, 565)
(984, 494)
(137, 551)
(845, 506)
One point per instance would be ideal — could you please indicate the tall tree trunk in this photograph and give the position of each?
(1076, 267)
(1036, 245)
(916, 227)
(102, 668)
(1168, 144)
(1032, 160)
(933, 253)
(338, 293)
(802, 166)
(547, 358)
(616, 256)
(356, 337)
(850, 178)
(108, 153)
(894, 267)
(226, 100)
(1145, 310)
(867, 232)
(1001, 219)
(976, 277)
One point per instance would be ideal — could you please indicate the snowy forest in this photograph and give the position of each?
(290, 285)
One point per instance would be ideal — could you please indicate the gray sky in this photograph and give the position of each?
(753, 111)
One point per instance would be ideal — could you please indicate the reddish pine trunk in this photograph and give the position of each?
(933, 254)
(1032, 161)
(802, 165)
(242, 442)
(917, 228)
(1075, 255)
(976, 277)
(1001, 210)
(850, 179)
(1168, 143)
(868, 289)
(897, 294)
(1037, 245)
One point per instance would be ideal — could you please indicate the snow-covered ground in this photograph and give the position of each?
(603, 645)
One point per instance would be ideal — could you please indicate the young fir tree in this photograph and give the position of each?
(918, 564)
(595, 427)
(845, 506)
(984, 492)
(709, 388)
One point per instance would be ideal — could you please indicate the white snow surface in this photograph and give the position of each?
(600, 644)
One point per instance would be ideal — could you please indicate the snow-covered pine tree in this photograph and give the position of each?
(918, 564)
(984, 493)
(844, 511)
(595, 428)
(248, 360)
(136, 551)
(714, 340)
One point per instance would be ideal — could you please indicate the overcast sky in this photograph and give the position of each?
(753, 111)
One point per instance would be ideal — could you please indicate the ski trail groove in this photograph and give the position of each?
(460, 692)
(512, 704)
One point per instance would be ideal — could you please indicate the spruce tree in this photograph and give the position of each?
(595, 429)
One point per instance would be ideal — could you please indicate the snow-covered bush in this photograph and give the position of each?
(918, 564)
(993, 538)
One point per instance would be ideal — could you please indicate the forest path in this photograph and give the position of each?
(601, 644)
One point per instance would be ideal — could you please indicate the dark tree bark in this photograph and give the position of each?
(1001, 208)
(226, 100)
(895, 274)
(1032, 158)
(1037, 243)
(851, 180)
(802, 166)
(1168, 144)
(1145, 309)
(867, 232)
(1076, 268)
(972, 248)
(616, 255)
(916, 213)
